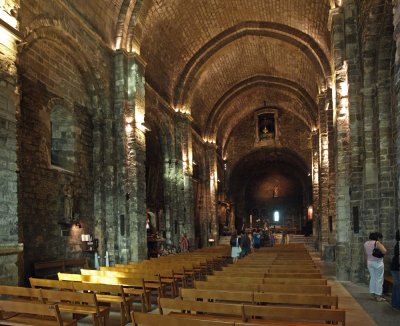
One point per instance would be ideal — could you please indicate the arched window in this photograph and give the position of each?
(63, 137)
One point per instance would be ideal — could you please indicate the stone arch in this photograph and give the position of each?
(130, 22)
(309, 116)
(289, 165)
(55, 30)
(302, 41)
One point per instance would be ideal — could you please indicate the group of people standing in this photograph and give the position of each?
(375, 251)
(243, 243)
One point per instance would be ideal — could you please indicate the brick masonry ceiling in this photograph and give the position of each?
(204, 56)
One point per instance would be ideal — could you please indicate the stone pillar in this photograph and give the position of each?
(211, 156)
(184, 174)
(10, 248)
(324, 170)
(129, 110)
(396, 135)
(316, 189)
(342, 162)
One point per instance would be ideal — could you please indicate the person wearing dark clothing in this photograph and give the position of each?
(256, 239)
(394, 269)
(245, 243)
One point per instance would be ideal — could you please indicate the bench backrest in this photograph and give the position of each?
(69, 277)
(17, 291)
(322, 301)
(57, 296)
(275, 288)
(147, 319)
(295, 313)
(50, 284)
(247, 312)
(216, 295)
(262, 280)
(134, 282)
(38, 309)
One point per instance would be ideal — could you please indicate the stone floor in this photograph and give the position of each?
(361, 308)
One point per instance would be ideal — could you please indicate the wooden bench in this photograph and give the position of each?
(77, 303)
(105, 294)
(40, 283)
(275, 288)
(167, 276)
(150, 280)
(139, 318)
(135, 287)
(263, 280)
(113, 294)
(49, 269)
(242, 312)
(31, 313)
(321, 301)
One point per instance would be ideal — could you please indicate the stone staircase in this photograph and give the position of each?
(308, 241)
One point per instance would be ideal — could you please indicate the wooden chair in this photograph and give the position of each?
(31, 313)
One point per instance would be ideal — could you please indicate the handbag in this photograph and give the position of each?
(376, 252)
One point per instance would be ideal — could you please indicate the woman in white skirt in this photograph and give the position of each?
(235, 245)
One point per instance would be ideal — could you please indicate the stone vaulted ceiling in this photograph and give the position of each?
(221, 59)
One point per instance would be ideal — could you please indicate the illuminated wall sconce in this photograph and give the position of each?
(128, 126)
(310, 213)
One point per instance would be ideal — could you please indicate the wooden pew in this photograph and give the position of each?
(114, 294)
(262, 280)
(22, 293)
(135, 287)
(268, 275)
(39, 283)
(151, 280)
(107, 294)
(77, 303)
(139, 318)
(49, 269)
(321, 301)
(275, 288)
(241, 312)
(31, 313)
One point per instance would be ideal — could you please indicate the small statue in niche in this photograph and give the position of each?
(276, 191)
(68, 201)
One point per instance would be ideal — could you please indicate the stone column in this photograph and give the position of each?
(316, 188)
(342, 162)
(184, 174)
(211, 156)
(323, 105)
(396, 135)
(129, 110)
(10, 248)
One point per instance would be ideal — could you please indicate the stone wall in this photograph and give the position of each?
(55, 72)
(293, 135)
(10, 248)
